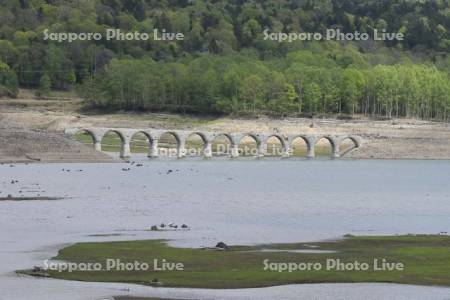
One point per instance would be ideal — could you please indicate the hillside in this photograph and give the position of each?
(225, 64)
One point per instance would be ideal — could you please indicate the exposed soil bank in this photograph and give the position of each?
(26, 146)
(34, 132)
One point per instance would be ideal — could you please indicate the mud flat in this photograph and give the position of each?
(39, 198)
(409, 259)
(136, 298)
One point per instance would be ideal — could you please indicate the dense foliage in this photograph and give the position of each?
(8, 81)
(224, 65)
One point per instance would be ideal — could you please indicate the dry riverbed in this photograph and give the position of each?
(32, 130)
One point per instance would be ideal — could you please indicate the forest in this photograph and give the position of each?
(224, 65)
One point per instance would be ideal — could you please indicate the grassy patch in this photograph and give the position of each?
(426, 261)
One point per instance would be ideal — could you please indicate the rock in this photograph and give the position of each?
(154, 228)
(222, 245)
(162, 225)
(36, 269)
(184, 226)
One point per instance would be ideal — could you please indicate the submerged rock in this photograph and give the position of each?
(222, 245)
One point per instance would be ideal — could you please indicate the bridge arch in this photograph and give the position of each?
(170, 144)
(112, 145)
(348, 144)
(322, 150)
(301, 146)
(222, 144)
(272, 148)
(193, 139)
(249, 144)
(141, 141)
(86, 137)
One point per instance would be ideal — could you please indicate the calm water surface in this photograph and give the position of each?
(238, 202)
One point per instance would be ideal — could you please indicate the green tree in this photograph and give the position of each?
(285, 102)
(9, 85)
(352, 87)
(45, 85)
(313, 95)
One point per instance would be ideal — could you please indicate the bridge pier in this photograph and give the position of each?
(234, 151)
(125, 151)
(286, 151)
(98, 146)
(260, 148)
(154, 150)
(311, 151)
(181, 149)
(335, 153)
(207, 152)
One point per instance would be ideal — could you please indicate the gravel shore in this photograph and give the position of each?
(36, 134)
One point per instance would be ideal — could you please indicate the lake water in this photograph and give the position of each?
(238, 202)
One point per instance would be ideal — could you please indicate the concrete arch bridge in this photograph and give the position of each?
(208, 138)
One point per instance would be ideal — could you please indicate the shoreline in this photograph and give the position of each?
(35, 133)
(315, 256)
(198, 159)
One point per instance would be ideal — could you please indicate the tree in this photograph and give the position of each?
(9, 85)
(59, 68)
(353, 84)
(45, 85)
(312, 97)
(285, 102)
(252, 93)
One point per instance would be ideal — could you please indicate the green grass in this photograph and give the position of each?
(426, 260)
